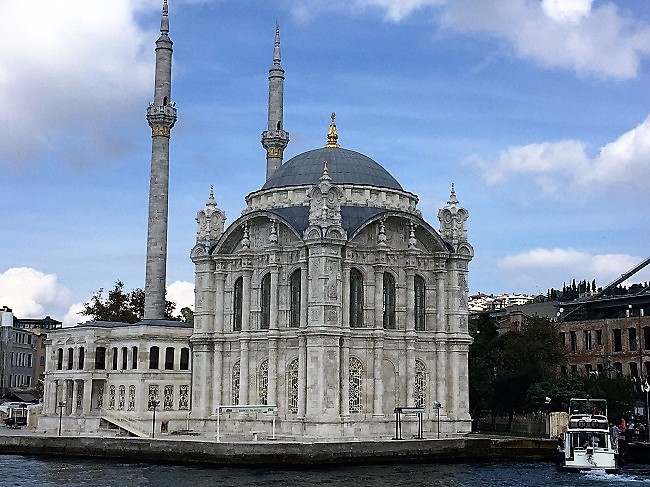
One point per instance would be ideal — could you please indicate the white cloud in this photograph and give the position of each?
(567, 10)
(33, 294)
(73, 316)
(566, 264)
(558, 166)
(181, 293)
(394, 10)
(65, 64)
(599, 41)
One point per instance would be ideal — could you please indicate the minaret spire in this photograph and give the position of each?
(161, 115)
(275, 138)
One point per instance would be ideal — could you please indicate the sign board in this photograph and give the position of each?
(262, 408)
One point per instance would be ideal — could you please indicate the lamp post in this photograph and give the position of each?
(437, 405)
(645, 387)
(62, 404)
(153, 404)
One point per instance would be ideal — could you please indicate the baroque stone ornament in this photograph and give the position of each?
(210, 222)
(452, 220)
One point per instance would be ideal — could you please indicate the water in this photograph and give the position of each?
(31, 471)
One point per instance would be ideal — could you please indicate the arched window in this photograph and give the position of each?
(169, 358)
(389, 301)
(237, 304)
(134, 357)
(264, 382)
(185, 358)
(100, 358)
(235, 384)
(125, 358)
(154, 356)
(356, 299)
(70, 358)
(356, 384)
(292, 388)
(82, 358)
(294, 284)
(59, 359)
(265, 302)
(420, 388)
(420, 293)
(114, 358)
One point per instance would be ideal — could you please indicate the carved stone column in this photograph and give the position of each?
(345, 377)
(75, 392)
(244, 396)
(219, 278)
(273, 367)
(88, 389)
(302, 377)
(378, 390)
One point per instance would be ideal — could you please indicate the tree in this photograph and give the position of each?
(120, 306)
(187, 315)
(521, 359)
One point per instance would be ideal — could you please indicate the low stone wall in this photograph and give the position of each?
(281, 453)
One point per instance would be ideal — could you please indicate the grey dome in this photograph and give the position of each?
(344, 167)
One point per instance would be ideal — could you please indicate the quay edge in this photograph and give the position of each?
(282, 453)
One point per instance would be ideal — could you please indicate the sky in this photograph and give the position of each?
(537, 110)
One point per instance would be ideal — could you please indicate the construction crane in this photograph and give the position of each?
(614, 283)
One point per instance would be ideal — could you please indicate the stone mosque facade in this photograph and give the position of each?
(330, 298)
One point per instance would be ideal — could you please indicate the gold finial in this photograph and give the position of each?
(332, 136)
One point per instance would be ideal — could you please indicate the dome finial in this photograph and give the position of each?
(332, 136)
(164, 22)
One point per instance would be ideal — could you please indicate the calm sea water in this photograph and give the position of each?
(30, 471)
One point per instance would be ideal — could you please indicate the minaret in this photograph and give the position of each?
(275, 139)
(161, 115)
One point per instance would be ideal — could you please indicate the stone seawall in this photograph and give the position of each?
(281, 453)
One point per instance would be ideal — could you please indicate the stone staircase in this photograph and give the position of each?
(133, 426)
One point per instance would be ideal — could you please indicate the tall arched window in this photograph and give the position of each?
(70, 358)
(265, 302)
(237, 304)
(114, 358)
(82, 358)
(100, 358)
(420, 388)
(125, 354)
(420, 293)
(356, 384)
(154, 356)
(59, 359)
(169, 358)
(264, 382)
(235, 383)
(356, 299)
(292, 388)
(389, 301)
(294, 284)
(134, 357)
(185, 358)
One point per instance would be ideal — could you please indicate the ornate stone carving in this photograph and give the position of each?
(210, 222)
(452, 221)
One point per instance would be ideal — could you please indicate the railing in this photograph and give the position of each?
(131, 425)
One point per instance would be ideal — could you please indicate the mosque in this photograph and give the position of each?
(330, 300)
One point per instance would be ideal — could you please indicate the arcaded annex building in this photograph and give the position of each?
(330, 297)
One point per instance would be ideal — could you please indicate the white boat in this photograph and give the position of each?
(588, 443)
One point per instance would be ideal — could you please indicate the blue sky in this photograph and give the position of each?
(537, 110)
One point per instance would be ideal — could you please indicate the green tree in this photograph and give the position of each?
(187, 315)
(120, 306)
(522, 359)
(481, 370)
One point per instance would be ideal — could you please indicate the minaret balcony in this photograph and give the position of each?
(161, 115)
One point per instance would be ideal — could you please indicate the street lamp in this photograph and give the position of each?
(62, 404)
(437, 405)
(153, 404)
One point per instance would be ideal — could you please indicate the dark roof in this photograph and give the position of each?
(118, 324)
(344, 167)
(352, 217)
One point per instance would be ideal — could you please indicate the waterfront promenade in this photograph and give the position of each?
(280, 452)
